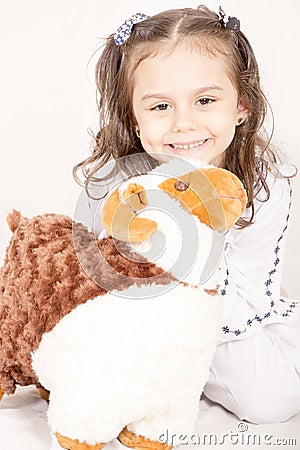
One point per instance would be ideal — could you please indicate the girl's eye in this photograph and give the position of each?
(160, 107)
(205, 101)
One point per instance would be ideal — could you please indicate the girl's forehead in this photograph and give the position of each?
(181, 64)
(181, 52)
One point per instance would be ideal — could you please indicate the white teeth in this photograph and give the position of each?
(186, 147)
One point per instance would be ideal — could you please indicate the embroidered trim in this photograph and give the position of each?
(226, 282)
(268, 282)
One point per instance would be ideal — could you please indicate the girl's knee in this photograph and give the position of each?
(257, 401)
(267, 407)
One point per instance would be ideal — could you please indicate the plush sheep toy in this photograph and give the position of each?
(118, 329)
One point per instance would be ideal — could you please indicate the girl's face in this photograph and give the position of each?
(185, 105)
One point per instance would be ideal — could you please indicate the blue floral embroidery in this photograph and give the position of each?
(267, 283)
(226, 282)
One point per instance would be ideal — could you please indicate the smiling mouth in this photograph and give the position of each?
(187, 146)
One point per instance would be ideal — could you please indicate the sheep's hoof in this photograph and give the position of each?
(44, 394)
(74, 444)
(1, 393)
(129, 439)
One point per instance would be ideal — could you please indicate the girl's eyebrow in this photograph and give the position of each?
(212, 87)
(199, 91)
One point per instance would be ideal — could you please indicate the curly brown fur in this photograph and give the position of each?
(112, 264)
(42, 280)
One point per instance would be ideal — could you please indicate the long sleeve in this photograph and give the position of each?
(252, 267)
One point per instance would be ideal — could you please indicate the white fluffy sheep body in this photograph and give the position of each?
(141, 363)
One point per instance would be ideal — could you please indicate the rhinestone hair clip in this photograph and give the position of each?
(124, 31)
(232, 23)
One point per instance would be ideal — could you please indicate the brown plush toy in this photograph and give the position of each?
(122, 344)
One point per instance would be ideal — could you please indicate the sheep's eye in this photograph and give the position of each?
(181, 185)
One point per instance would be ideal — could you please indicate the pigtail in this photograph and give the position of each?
(116, 136)
(107, 74)
(250, 154)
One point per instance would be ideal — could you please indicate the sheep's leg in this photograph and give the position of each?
(1, 393)
(44, 394)
(129, 439)
(74, 444)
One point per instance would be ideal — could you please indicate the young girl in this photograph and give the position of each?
(185, 83)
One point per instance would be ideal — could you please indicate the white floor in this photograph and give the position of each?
(23, 426)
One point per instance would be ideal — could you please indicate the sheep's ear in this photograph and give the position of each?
(13, 219)
(229, 196)
(216, 196)
(120, 222)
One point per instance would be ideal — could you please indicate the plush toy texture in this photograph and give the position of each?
(122, 340)
(42, 280)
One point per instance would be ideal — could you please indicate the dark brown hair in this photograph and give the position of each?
(249, 154)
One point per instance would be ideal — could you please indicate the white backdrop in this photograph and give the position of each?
(47, 94)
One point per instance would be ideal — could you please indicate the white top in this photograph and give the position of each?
(252, 267)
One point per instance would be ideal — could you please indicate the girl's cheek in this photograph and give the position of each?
(154, 128)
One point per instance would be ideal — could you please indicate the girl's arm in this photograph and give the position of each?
(253, 263)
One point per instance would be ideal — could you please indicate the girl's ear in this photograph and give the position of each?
(242, 112)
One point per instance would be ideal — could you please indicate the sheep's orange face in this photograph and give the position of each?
(215, 196)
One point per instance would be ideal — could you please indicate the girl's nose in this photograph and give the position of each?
(184, 120)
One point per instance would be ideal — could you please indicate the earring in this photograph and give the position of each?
(240, 120)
